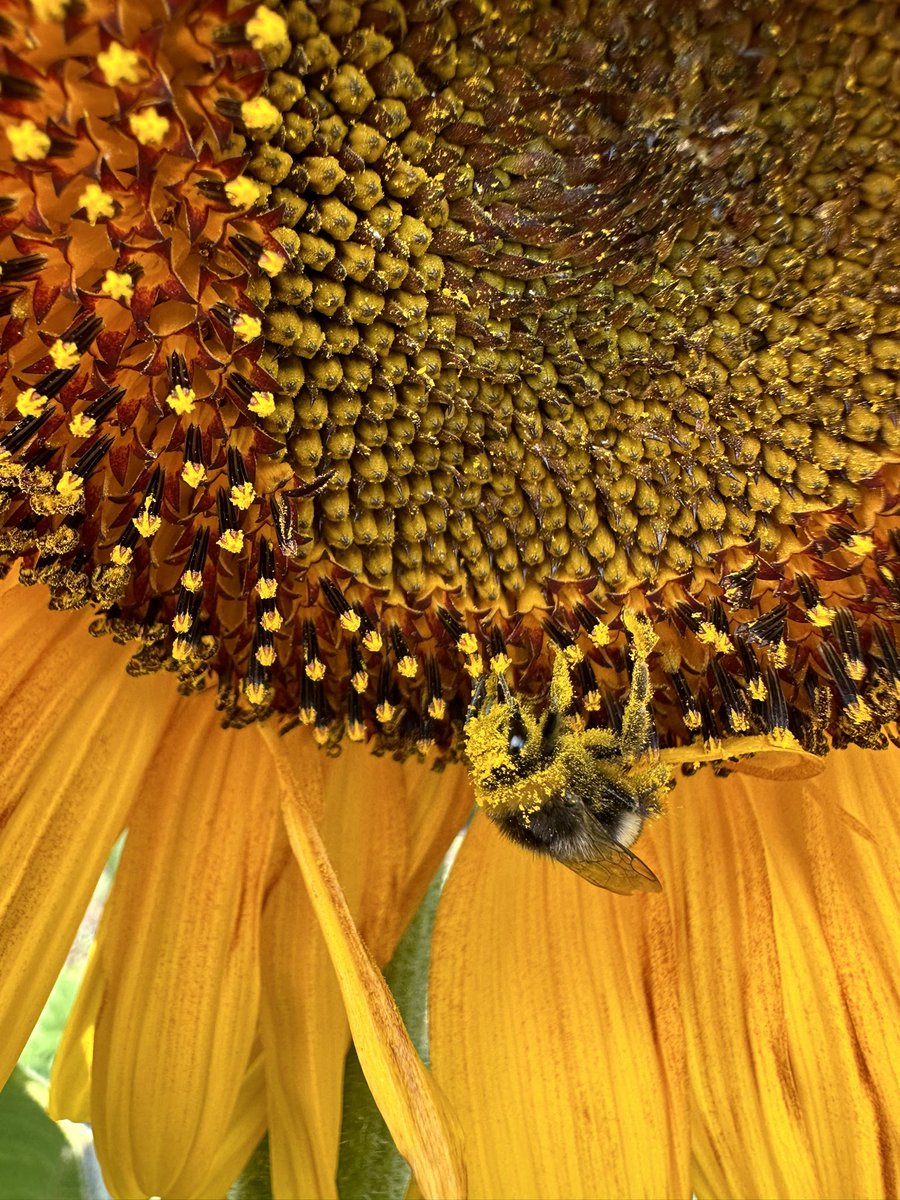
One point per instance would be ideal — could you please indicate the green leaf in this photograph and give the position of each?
(36, 1160)
(370, 1168)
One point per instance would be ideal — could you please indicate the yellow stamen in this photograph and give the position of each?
(149, 126)
(118, 286)
(65, 355)
(31, 403)
(145, 522)
(70, 487)
(821, 615)
(81, 425)
(27, 141)
(272, 620)
(232, 540)
(122, 555)
(192, 581)
(243, 495)
(710, 636)
(181, 399)
(247, 328)
(193, 474)
(96, 203)
(267, 588)
(119, 65)
(262, 403)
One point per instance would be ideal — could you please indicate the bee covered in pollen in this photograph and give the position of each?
(580, 796)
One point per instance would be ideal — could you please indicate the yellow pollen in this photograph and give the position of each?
(356, 731)
(360, 681)
(232, 540)
(267, 588)
(256, 692)
(437, 708)
(121, 555)
(65, 355)
(574, 654)
(192, 581)
(266, 29)
(70, 487)
(96, 203)
(247, 328)
(242, 495)
(350, 621)
(593, 701)
(500, 663)
(758, 689)
(474, 667)
(149, 126)
(372, 641)
(182, 622)
(600, 635)
(181, 649)
(384, 712)
(641, 630)
(259, 113)
(821, 615)
(31, 403)
(859, 712)
(193, 474)
(272, 620)
(145, 522)
(408, 667)
(265, 656)
(861, 544)
(242, 192)
(262, 403)
(27, 141)
(779, 655)
(315, 670)
(181, 399)
(119, 65)
(81, 425)
(710, 636)
(270, 262)
(467, 644)
(783, 739)
(692, 719)
(856, 669)
(118, 286)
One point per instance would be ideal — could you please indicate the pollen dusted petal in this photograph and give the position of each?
(784, 903)
(555, 1030)
(70, 761)
(180, 948)
(416, 1114)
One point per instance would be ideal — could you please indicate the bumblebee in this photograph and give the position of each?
(579, 796)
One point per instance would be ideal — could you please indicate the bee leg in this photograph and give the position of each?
(636, 719)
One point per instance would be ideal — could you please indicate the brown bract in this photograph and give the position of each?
(353, 350)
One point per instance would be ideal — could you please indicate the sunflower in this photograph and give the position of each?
(416, 391)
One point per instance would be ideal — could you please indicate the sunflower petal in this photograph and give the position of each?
(69, 761)
(555, 1029)
(180, 947)
(411, 1105)
(786, 902)
(244, 1132)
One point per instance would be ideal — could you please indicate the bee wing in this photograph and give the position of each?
(617, 870)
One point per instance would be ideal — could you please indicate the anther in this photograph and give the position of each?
(91, 457)
(182, 397)
(22, 267)
(766, 630)
(738, 585)
(407, 664)
(266, 583)
(84, 423)
(231, 536)
(562, 638)
(776, 716)
(22, 432)
(499, 659)
(347, 617)
(436, 706)
(312, 665)
(356, 729)
(359, 676)
(242, 493)
(598, 631)
(386, 707)
(817, 613)
(194, 470)
(123, 551)
(147, 520)
(192, 576)
(854, 706)
(737, 716)
(690, 710)
(847, 635)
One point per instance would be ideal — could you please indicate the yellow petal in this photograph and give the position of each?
(555, 1029)
(246, 1128)
(386, 827)
(412, 1107)
(785, 899)
(179, 949)
(70, 1078)
(75, 736)
(305, 1036)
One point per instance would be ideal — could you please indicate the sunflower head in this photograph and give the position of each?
(353, 351)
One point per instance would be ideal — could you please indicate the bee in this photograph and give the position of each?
(579, 796)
